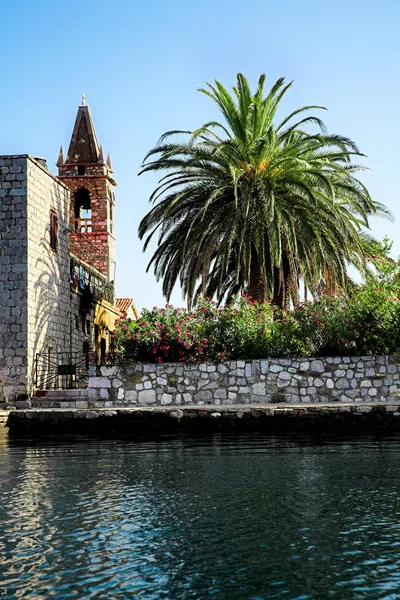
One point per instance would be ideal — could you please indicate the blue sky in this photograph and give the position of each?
(140, 63)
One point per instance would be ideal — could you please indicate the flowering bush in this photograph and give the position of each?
(207, 333)
(367, 321)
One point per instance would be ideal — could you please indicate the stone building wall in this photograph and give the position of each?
(13, 276)
(39, 311)
(304, 380)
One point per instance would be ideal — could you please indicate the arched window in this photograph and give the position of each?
(82, 210)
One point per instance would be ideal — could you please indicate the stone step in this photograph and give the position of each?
(59, 403)
(72, 402)
(69, 395)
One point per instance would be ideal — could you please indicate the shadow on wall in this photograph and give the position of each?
(49, 306)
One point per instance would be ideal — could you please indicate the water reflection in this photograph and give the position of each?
(245, 517)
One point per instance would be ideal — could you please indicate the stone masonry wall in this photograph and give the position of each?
(13, 276)
(39, 312)
(303, 380)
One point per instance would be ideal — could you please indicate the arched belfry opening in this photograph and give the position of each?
(83, 210)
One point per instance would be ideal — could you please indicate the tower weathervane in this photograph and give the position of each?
(84, 100)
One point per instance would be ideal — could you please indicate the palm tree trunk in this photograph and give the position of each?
(279, 288)
(286, 303)
(257, 287)
(281, 297)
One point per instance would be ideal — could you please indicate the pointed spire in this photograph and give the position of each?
(101, 156)
(108, 163)
(84, 147)
(60, 160)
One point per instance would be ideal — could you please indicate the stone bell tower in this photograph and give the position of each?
(88, 176)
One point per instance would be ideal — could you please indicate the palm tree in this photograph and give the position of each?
(247, 205)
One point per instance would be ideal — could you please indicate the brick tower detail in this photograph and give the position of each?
(88, 176)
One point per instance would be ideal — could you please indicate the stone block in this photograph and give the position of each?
(99, 382)
(166, 399)
(244, 390)
(285, 376)
(363, 409)
(283, 383)
(304, 366)
(146, 397)
(342, 384)
(344, 398)
(23, 404)
(258, 389)
(82, 404)
(264, 367)
(317, 366)
(108, 371)
(238, 372)
(202, 396)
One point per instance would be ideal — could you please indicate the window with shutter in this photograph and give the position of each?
(53, 230)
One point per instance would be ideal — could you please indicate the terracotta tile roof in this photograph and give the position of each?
(123, 304)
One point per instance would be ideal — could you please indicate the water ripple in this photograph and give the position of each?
(246, 517)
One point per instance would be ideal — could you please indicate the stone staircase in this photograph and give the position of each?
(61, 399)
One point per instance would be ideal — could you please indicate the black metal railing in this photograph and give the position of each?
(61, 370)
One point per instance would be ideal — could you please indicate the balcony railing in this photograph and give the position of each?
(82, 226)
(84, 276)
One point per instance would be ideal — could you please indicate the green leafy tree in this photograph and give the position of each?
(251, 205)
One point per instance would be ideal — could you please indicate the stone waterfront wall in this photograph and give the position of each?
(341, 379)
